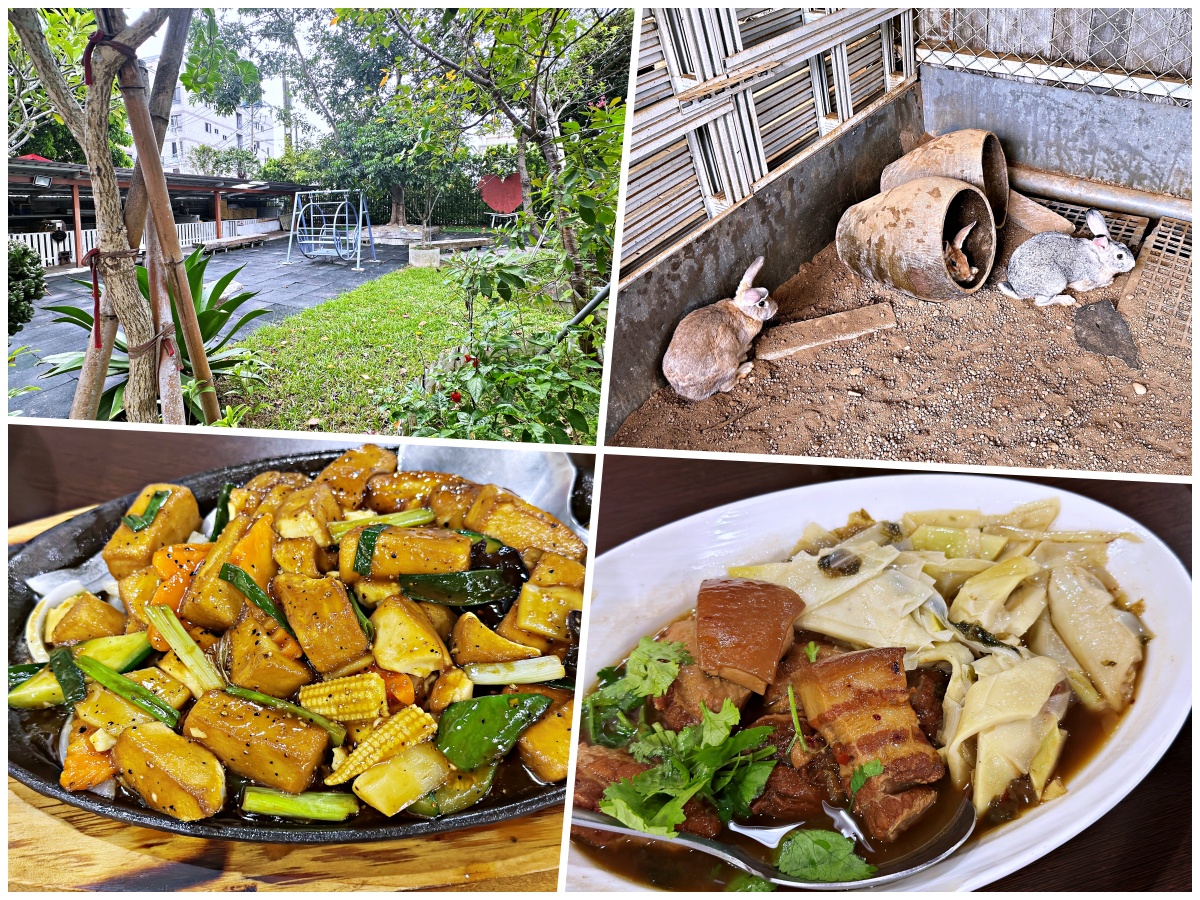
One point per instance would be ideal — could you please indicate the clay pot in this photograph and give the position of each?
(896, 237)
(971, 155)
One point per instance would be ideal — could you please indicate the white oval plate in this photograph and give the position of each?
(644, 584)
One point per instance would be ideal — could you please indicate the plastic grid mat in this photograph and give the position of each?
(1128, 230)
(1159, 296)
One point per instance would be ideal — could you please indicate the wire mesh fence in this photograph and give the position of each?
(1146, 52)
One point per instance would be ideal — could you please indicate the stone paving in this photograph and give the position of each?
(283, 290)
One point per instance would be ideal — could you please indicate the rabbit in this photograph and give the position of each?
(709, 348)
(957, 264)
(1046, 264)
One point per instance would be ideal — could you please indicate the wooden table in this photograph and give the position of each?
(1145, 842)
(56, 847)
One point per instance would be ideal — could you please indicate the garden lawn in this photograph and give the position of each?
(330, 363)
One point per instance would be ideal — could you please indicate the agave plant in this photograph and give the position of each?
(213, 314)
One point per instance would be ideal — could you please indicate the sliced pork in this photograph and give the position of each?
(743, 628)
(680, 706)
(800, 780)
(859, 703)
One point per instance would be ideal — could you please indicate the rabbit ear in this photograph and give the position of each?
(1101, 241)
(1096, 224)
(962, 235)
(748, 278)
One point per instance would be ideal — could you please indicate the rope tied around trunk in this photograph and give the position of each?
(91, 259)
(99, 39)
(162, 339)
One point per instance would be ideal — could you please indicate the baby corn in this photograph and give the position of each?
(349, 699)
(409, 726)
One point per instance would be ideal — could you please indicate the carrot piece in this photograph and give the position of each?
(252, 554)
(400, 688)
(85, 766)
(176, 558)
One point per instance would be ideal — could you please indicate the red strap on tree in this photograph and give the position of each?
(100, 39)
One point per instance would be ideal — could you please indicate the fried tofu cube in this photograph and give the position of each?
(407, 490)
(264, 745)
(257, 663)
(349, 473)
(211, 602)
(307, 512)
(505, 516)
(302, 556)
(451, 503)
(170, 773)
(407, 551)
(127, 550)
(323, 618)
(554, 569)
(136, 590)
(81, 618)
(406, 641)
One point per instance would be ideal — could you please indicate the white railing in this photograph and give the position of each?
(190, 234)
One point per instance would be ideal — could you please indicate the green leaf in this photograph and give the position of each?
(817, 855)
(744, 881)
(861, 774)
(810, 650)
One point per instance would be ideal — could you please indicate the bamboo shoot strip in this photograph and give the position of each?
(256, 595)
(366, 549)
(321, 806)
(143, 521)
(408, 519)
(164, 619)
(222, 518)
(336, 732)
(69, 678)
(128, 689)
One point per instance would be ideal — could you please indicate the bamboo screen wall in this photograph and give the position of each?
(724, 97)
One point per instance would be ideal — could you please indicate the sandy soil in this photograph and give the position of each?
(982, 380)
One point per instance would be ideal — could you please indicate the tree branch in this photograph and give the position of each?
(29, 29)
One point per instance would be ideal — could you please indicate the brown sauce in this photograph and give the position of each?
(660, 865)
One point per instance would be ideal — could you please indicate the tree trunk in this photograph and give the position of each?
(399, 215)
(526, 186)
(120, 281)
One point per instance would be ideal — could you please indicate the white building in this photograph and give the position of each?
(192, 124)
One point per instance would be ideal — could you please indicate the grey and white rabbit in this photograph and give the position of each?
(1048, 263)
(709, 348)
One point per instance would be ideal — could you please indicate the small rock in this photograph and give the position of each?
(854, 393)
(1139, 388)
(1052, 445)
(856, 371)
(312, 423)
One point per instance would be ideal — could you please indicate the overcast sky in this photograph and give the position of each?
(272, 87)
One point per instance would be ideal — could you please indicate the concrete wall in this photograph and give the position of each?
(1120, 140)
(789, 220)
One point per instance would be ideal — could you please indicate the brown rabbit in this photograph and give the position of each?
(709, 348)
(959, 266)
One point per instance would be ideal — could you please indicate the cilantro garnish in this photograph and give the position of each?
(705, 760)
(650, 671)
(814, 855)
(860, 775)
(811, 651)
(799, 735)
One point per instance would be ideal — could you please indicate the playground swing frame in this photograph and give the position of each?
(329, 224)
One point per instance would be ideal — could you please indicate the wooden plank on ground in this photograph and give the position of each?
(786, 340)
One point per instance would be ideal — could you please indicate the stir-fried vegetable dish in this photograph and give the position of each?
(367, 636)
(860, 688)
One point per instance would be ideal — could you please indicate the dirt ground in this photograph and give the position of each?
(982, 380)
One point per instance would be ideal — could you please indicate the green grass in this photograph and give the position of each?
(330, 361)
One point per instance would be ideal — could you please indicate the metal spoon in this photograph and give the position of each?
(940, 846)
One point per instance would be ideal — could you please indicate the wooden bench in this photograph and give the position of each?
(232, 243)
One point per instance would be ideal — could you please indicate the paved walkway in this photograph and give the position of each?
(283, 290)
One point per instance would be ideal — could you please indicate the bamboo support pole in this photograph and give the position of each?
(140, 123)
(170, 391)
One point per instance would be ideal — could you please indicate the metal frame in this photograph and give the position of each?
(322, 226)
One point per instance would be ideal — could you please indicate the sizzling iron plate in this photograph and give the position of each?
(31, 763)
